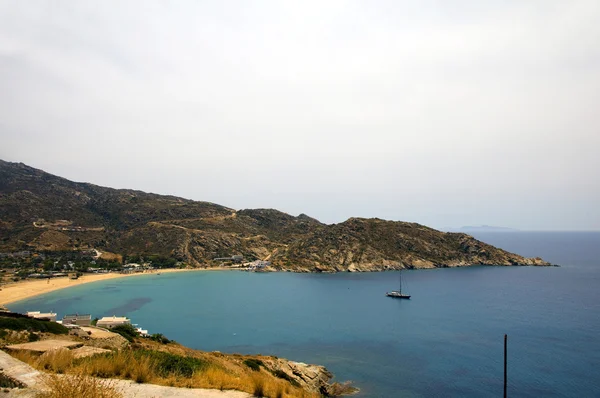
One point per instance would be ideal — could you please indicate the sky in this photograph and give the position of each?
(436, 112)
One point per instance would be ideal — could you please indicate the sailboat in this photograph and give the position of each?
(398, 293)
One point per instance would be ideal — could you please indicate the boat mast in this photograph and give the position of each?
(400, 291)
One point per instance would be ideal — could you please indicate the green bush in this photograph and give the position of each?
(282, 375)
(171, 364)
(126, 330)
(254, 364)
(160, 338)
(33, 337)
(30, 324)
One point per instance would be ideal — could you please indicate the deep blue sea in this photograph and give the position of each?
(447, 341)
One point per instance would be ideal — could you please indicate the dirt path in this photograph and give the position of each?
(130, 389)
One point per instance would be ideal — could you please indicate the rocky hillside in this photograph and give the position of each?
(40, 211)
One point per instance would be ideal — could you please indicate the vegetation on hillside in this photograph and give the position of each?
(190, 370)
(31, 324)
(42, 212)
(78, 385)
(158, 360)
(126, 330)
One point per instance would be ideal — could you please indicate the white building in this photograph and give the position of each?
(110, 322)
(77, 319)
(142, 332)
(50, 316)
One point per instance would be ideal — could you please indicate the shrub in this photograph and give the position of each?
(282, 375)
(259, 387)
(78, 386)
(57, 361)
(254, 364)
(160, 338)
(107, 365)
(168, 364)
(30, 324)
(126, 330)
(142, 370)
(33, 337)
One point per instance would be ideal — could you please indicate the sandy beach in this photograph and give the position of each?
(30, 288)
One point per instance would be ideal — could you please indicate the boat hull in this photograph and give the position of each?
(398, 295)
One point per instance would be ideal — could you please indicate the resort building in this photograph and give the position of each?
(110, 322)
(77, 319)
(49, 316)
(237, 258)
(142, 332)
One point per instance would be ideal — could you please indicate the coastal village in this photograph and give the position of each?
(75, 321)
(16, 266)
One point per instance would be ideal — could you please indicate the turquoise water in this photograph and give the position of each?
(446, 341)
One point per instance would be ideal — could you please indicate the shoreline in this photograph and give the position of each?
(23, 290)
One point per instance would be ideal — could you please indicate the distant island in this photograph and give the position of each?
(44, 217)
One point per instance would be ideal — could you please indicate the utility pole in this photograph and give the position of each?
(505, 374)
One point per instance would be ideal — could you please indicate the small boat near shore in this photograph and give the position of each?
(398, 293)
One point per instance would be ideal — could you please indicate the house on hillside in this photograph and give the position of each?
(258, 265)
(133, 267)
(110, 322)
(77, 319)
(49, 316)
(236, 258)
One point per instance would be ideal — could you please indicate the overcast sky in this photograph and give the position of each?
(445, 113)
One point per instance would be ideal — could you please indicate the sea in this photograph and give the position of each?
(446, 341)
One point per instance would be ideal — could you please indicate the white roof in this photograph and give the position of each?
(40, 314)
(114, 319)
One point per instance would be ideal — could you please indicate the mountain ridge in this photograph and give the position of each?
(40, 211)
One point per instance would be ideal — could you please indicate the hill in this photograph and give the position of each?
(43, 212)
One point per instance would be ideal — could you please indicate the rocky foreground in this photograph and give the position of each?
(36, 355)
(21, 380)
(42, 212)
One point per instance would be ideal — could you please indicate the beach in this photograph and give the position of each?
(22, 290)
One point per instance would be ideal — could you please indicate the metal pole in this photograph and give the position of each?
(505, 377)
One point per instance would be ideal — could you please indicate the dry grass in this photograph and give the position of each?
(218, 371)
(111, 257)
(143, 370)
(259, 386)
(121, 364)
(57, 361)
(80, 386)
(24, 356)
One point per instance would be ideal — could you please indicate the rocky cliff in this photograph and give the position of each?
(40, 211)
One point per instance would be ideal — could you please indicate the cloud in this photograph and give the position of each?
(471, 114)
